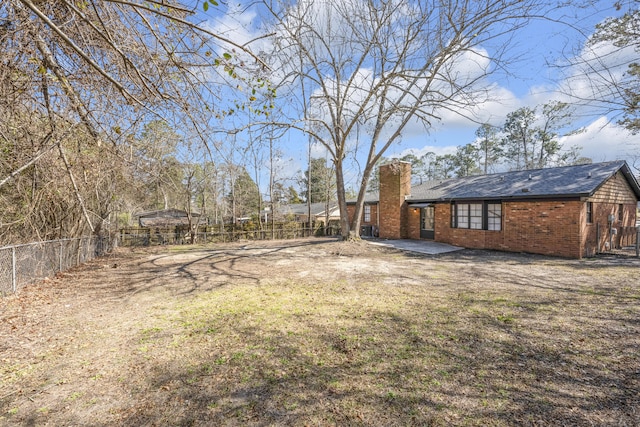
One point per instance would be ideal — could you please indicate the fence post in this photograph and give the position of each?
(14, 284)
(638, 242)
(60, 258)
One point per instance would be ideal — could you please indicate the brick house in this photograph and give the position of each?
(572, 211)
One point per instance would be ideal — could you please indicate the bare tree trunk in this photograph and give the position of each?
(347, 233)
(75, 187)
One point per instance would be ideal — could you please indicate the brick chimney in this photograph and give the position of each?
(395, 184)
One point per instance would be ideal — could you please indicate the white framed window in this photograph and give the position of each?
(463, 216)
(494, 216)
(367, 213)
(475, 216)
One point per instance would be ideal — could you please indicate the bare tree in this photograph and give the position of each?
(607, 72)
(39, 204)
(371, 69)
(101, 69)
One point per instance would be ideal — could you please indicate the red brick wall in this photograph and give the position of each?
(413, 223)
(543, 227)
(351, 209)
(374, 217)
(374, 214)
(395, 184)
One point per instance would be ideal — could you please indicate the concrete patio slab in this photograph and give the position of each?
(420, 246)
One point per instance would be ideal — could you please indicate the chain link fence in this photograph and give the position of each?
(21, 265)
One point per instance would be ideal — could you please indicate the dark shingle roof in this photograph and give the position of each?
(164, 218)
(165, 213)
(303, 208)
(369, 197)
(568, 181)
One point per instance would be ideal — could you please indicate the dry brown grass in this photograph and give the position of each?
(316, 332)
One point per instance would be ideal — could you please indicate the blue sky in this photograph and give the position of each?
(541, 75)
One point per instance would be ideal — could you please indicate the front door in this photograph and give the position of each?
(427, 222)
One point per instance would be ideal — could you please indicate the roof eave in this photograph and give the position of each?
(633, 182)
(626, 171)
(504, 197)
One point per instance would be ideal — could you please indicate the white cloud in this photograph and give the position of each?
(603, 141)
(589, 84)
(595, 76)
(318, 151)
(419, 152)
(240, 26)
(592, 70)
(497, 102)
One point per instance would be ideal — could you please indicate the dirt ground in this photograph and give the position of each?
(320, 332)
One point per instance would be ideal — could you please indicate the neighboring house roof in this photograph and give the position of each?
(303, 209)
(568, 181)
(165, 213)
(164, 217)
(369, 197)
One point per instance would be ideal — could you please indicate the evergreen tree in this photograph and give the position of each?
(489, 147)
(520, 138)
(466, 160)
(444, 166)
(293, 197)
(556, 116)
(532, 141)
(245, 196)
(321, 178)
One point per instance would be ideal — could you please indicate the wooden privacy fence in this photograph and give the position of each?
(630, 238)
(618, 239)
(148, 236)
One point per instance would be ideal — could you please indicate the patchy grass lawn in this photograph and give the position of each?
(316, 332)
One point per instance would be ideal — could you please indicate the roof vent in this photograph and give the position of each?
(525, 190)
(530, 177)
(589, 175)
(502, 178)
